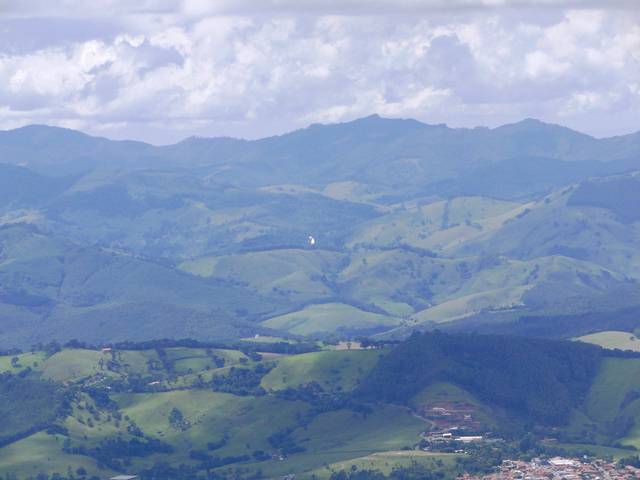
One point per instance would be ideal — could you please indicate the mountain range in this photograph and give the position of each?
(528, 228)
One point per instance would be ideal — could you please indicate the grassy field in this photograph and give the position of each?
(329, 318)
(190, 360)
(208, 417)
(612, 340)
(41, 453)
(610, 399)
(70, 365)
(387, 428)
(596, 450)
(31, 360)
(328, 441)
(436, 226)
(615, 380)
(443, 392)
(333, 370)
(459, 308)
(267, 339)
(296, 274)
(385, 462)
(183, 411)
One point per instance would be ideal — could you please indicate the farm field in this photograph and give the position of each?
(165, 402)
(385, 462)
(329, 318)
(241, 413)
(613, 340)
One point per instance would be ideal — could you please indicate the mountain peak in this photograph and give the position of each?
(535, 125)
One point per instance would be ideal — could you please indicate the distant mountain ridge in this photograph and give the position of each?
(330, 152)
(415, 227)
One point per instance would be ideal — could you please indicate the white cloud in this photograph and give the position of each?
(173, 69)
(199, 8)
(587, 101)
(539, 64)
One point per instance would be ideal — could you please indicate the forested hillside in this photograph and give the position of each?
(371, 227)
(539, 380)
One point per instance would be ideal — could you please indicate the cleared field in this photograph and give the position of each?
(450, 393)
(190, 416)
(613, 339)
(89, 429)
(456, 309)
(43, 453)
(138, 362)
(191, 360)
(209, 416)
(612, 397)
(73, 364)
(442, 392)
(329, 318)
(385, 462)
(596, 450)
(387, 428)
(295, 273)
(267, 339)
(327, 441)
(25, 360)
(436, 226)
(333, 370)
(617, 377)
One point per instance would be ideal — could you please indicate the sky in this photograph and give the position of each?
(163, 70)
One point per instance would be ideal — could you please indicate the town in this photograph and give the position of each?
(559, 468)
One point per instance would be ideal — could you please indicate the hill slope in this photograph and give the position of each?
(52, 289)
(236, 414)
(394, 222)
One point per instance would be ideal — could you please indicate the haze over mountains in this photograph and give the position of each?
(526, 228)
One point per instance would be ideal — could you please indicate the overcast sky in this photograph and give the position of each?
(167, 69)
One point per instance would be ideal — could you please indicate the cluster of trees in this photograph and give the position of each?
(539, 380)
(414, 471)
(323, 401)
(28, 405)
(115, 453)
(242, 381)
(177, 420)
(633, 461)
(248, 348)
(283, 441)
(80, 473)
(203, 470)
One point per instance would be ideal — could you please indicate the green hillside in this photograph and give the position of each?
(333, 370)
(375, 226)
(438, 226)
(121, 401)
(168, 410)
(330, 318)
(611, 408)
(120, 296)
(297, 275)
(558, 225)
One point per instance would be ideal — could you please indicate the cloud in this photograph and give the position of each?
(197, 8)
(369, 7)
(171, 69)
